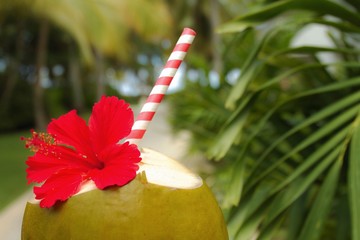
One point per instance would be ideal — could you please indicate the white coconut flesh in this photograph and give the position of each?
(164, 171)
(159, 170)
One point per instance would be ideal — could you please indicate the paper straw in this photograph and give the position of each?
(161, 85)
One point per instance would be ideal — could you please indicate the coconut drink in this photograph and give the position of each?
(94, 182)
(164, 201)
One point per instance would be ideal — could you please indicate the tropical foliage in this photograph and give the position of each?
(287, 132)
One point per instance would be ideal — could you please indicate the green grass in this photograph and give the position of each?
(12, 170)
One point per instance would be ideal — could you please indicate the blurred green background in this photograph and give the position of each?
(270, 94)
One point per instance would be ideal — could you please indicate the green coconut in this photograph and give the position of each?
(164, 201)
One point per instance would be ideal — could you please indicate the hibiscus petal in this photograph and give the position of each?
(111, 176)
(42, 166)
(120, 165)
(59, 187)
(71, 130)
(111, 120)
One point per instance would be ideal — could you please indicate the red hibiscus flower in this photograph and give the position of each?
(72, 152)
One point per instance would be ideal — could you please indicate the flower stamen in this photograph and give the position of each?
(39, 142)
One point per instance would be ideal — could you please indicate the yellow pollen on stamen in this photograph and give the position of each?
(40, 142)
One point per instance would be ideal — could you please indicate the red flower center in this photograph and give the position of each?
(101, 165)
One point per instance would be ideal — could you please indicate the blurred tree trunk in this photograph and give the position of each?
(75, 80)
(215, 38)
(39, 107)
(99, 74)
(13, 68)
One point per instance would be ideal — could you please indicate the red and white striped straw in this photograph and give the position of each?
(161, 85)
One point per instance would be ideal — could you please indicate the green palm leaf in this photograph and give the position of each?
(354, 180)
(272, 10)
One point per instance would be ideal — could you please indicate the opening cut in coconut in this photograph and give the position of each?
(162, 170)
